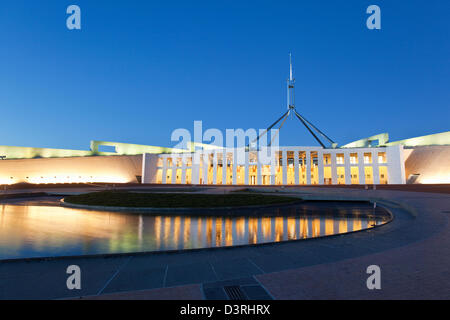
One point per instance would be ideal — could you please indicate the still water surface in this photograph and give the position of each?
(43, 231)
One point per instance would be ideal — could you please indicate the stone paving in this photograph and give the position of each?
(417, 270)
(412, 251)
(191, 292)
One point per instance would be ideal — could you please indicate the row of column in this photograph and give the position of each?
(205, 157)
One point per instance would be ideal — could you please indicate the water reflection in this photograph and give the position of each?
(32, 231)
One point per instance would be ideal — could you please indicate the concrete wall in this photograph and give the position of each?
(432, 163)
(396, 168)
(149, 167)
(118, 169)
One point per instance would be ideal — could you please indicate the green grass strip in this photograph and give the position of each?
(176, 200)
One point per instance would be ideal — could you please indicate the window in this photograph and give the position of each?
(368, 157)
(381, 157)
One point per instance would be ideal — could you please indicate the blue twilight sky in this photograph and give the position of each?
(140, 69)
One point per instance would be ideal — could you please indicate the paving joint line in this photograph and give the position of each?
(165, 276)
(262, 286)
(254, 264)
(214, 270)
(114, 275)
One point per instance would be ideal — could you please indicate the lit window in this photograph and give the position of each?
(382, 157)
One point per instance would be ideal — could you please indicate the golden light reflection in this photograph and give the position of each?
(209, 232)
(176, 231)
(240, 226)
(166, 230)
(291, 229)
(357, 224)
(228, 232)
(329, 226)
(158, 231)
(304, 228)
(187, 233)
(199, 230)
(278, 229)
(315, 227)
(54, 230)
(266, 225)
(218, 232)
(343, 226)
(252, 230)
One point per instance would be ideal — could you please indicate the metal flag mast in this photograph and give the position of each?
(291, 108)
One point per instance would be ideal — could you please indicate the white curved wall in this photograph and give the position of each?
(432, 163)
(114, 169)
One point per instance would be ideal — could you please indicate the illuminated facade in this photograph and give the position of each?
(373, 160)
(289, 166)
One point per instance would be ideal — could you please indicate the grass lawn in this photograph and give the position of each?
(175, 200)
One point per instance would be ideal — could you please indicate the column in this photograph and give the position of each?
(224, 166)
(195, 168)
(205, 157)
(333, 168)
(361, 172)
(320, 166)
(348, 172)
(258, 171)
(174, 169)
(296, 169)
(246, 171)
(215, 168)
(273, 163)
(164, 170)
(146, 162)
(375, 170)
(234, 167)
(284, 155)
(183, 168)
(308, 167)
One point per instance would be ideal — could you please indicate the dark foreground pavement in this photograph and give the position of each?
(413, 253)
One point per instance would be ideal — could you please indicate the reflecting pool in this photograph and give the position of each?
(49, 230)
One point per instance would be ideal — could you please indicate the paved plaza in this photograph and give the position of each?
(413, 252)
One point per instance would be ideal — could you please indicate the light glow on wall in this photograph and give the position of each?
(66, 179)
(438, 179)
(6, 181)
(76, 179)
